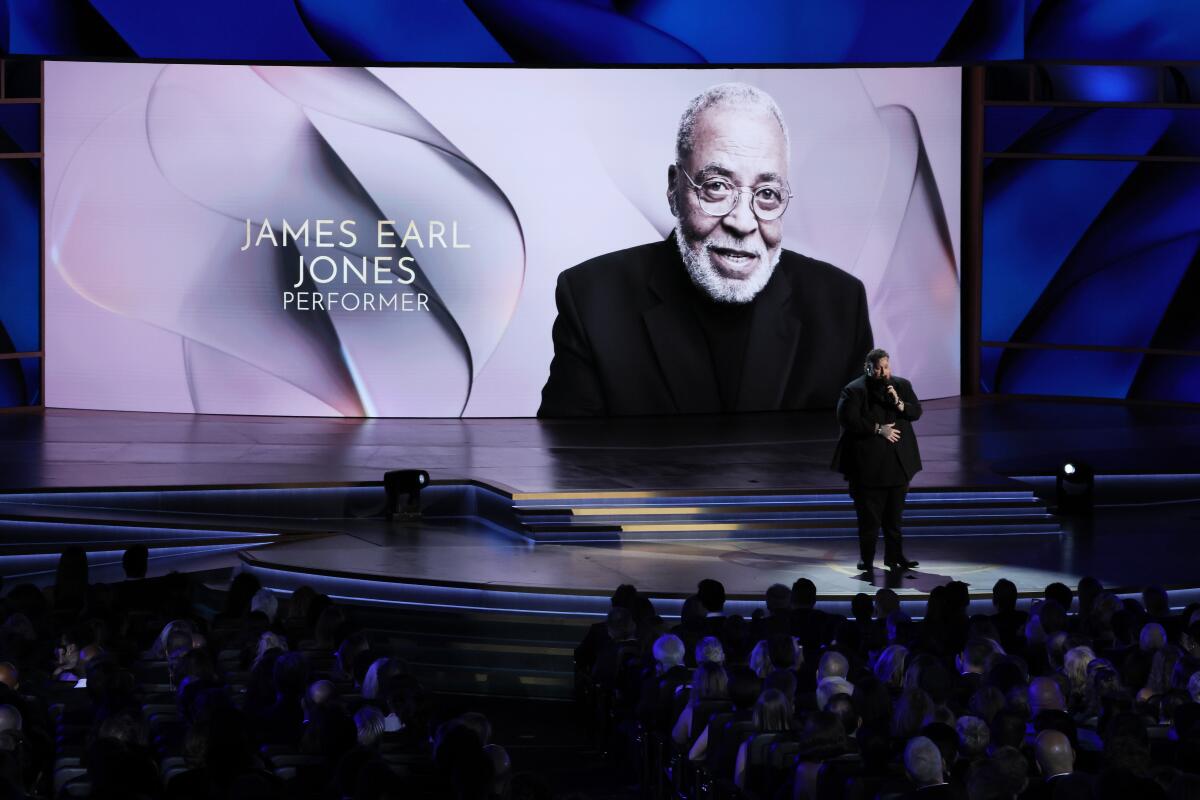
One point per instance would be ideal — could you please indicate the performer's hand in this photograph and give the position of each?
(890, 432)
(895, 397)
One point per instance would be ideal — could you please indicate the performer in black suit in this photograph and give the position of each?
(718, 317)
(878, 454)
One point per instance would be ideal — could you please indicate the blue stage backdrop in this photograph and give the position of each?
(1091, 236)
(20, 230)
(595, 31)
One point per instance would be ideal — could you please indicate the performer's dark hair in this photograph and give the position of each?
(876, 354)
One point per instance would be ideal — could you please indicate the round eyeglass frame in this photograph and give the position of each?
(736, 197)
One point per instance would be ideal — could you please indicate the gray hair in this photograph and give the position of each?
(10, 718)
(833, 665)
(1152, 637)
(369, 722)
(828, 688)
(973, 735)
(709, 649)
(889, 667)
(669, 651)
(377, 674)
(1075, 664)
(269, 640)
(760, 659)
(737, 95)
(923, 761)
(264, 600)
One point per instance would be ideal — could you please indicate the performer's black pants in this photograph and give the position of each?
(878, 506)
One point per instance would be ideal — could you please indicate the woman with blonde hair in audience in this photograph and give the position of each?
(760, 660)
(269, 640)
(772, 714)
(1075, 667)
(889, 667)
(1162, 667)
(709, 682)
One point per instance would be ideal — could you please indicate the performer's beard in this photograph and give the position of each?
(877, 387)
(722, 288)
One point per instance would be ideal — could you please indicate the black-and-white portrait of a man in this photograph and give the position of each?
(718, 317)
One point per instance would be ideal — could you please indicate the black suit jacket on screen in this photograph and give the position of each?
(628, 340)
(865, 457)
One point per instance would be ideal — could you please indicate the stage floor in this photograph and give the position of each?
(964, 442)
(1148, 536)
(457, 555)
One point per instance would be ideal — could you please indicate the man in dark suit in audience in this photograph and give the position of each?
(597, 635)
(1056, 761)
(777, 617)
(1009, 621)
(809, 624)
(136, 593)
(622, 643)
(927, 770)
(972, 665)
(712, 594)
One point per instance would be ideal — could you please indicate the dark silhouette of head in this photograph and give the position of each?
(291, 675)
(71, 578)
(135, 561)
(862, 607)
(712, 594)
(1004, 595)
(624, 596)
(804, 593)
(241, 590)
(1061, 594)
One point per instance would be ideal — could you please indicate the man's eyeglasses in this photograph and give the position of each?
(718, 196)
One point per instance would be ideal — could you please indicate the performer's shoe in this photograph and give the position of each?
(866, 566)
(902, 563)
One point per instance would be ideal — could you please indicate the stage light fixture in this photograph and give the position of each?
(406, 482)
(1074, 488)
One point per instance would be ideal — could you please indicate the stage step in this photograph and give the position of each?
(30, 535)
(32, 543)
(613, 500)
(297, 502)
(635, 516)
(775, 534)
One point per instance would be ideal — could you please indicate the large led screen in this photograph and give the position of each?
(400, 242)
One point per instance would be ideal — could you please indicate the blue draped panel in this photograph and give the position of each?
(1115, 286)
(214, 29)
(1035, 212)
(1174, 378)
(528, 31)
(1066, 373)
(384, 30)
(1112, 30)
(20, 128)
(1092, 131)
(20, 382)
(20, 236)
(1102, 84)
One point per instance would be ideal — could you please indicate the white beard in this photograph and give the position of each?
(707, 277)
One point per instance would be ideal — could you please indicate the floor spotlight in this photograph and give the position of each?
(407, 483)
(1074, 488)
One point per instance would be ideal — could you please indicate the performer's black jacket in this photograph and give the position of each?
(628, 338)
(865, 457)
